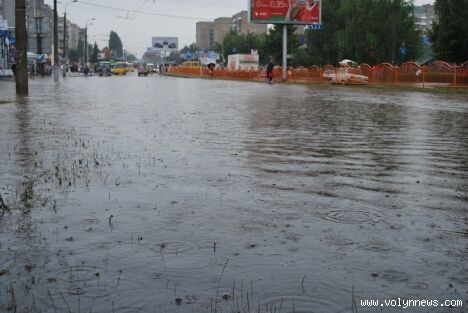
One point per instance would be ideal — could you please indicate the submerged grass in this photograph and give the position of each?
(403, 88)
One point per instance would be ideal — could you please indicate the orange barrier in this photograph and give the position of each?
(438, 73)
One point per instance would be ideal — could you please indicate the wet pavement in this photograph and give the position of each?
(165, 194)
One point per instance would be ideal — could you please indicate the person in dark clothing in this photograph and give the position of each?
(13, 69)
(270, 68)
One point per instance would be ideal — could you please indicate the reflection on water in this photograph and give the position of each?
(146, 194)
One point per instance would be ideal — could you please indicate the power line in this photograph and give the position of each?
(137, 8)
(142, 12)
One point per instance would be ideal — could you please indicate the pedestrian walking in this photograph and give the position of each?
(270, 68)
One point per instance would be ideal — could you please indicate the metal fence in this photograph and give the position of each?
(438, 74)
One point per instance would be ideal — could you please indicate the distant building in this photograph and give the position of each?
(7, 12)
(74, 33)
(40, 19)
(209, 33)
(240, 23)
(39, 23)
(204, 34)
(424, 16)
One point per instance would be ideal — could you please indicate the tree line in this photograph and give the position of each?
(115, 48)
(366, 31)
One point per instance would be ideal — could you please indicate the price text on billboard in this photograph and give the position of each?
(285, 11)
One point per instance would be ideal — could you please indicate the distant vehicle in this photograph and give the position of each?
(104, 68)
(165, 43)
(172, 46)
(129, 67)
(119, 68)
(158, 45)
(346, 75)
(142, 71)
(195, 64)
(150, 68)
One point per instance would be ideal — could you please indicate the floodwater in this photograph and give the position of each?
(164, 194)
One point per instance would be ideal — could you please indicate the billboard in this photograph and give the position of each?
(163, 44)
(301, 12)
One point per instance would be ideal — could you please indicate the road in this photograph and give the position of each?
(163, 194)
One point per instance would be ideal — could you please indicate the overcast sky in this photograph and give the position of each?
(136, 30)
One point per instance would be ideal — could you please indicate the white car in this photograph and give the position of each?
(345, 75)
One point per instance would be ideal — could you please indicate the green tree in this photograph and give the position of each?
(94, 54)
(175, 57)
(270, 46)
(234, 42)
(375, 31)
(322, 45)
(115, 44)
(131, 57)
(217, 47)
(191, 48)
(79, 49)
(449, 32)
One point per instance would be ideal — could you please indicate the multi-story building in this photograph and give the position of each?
(424, 16)
(221, 26)
(204, 37)
(74, 33)
(40, 19)
(209, 33)
(240, 23)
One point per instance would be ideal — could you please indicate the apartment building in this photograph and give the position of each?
(208, 33)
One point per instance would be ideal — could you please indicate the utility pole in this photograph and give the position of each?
(285, 51)
(64, 49)
(56, 56)
(85, 61)
(21, 49)
(85, 57)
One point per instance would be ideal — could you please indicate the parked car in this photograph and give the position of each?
(172, 46)
(346, 75)
(142, 71)
(158, 45)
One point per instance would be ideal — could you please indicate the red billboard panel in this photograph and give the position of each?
(285, 11)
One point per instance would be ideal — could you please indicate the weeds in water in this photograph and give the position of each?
(3, 206)
(219, 284)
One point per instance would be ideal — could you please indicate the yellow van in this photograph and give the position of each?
(130, 67)
(119, 68)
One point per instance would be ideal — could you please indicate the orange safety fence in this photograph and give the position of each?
(438, 73)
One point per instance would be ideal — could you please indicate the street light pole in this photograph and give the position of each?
(21, 74)
(56, 56)
(85, 61)
(65, 41)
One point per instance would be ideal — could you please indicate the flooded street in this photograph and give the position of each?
(163, 194)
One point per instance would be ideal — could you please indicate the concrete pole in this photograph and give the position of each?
(64, 52)
(285, 51)
(56, 56)
(85, 56)
(21, 49)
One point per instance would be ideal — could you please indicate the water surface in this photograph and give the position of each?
(162, 194)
